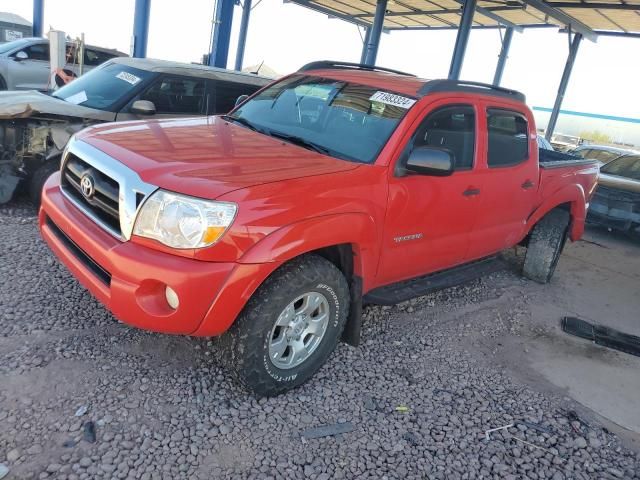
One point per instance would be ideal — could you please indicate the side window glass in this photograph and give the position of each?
(95, 57)
(508, 138)
(178, 95)
(38, 52)
(226, 94)
(451, 128)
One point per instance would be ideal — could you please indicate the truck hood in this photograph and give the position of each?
(206, 157)
(31, 102)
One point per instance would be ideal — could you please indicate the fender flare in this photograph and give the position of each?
(357, 229)
(572, 194)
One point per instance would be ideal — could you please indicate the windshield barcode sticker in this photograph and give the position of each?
(128, 77)
(392, 99)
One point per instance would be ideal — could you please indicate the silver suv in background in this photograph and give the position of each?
(34, 127)
(24, 63)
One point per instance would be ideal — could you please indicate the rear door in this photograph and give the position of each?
(508, 172)
(429, 218)
(33, 72)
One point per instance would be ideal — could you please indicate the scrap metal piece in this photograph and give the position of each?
(602, 335)
(491, 430)
(328, 430)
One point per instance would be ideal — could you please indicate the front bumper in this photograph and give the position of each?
(130, 279)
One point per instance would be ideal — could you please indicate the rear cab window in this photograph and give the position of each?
(172, 94)
(508, 138)
(225, 94)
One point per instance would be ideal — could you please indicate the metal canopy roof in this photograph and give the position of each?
(589, 17)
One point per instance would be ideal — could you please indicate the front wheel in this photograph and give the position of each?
(290, 326)
(39, 177)
(545, 246)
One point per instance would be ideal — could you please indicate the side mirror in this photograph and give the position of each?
(241, 99)
(143, 107)
(21, 55)
(430, 161)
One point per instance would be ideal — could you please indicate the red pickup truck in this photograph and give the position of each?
(335, 186)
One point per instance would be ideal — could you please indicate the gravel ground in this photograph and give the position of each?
(82, 396)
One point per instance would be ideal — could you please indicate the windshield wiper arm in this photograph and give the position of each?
(241, 121)
(301, 142)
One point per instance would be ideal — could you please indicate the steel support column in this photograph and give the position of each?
(371, 47)
(504, 54)
(564, 81)
(38, 17)
(222, 20)
(242, 36)
(466, 21)
(367, 37)
(141, 28)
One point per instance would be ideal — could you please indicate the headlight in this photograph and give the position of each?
(180, 221)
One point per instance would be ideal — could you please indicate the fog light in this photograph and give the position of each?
(172, 297)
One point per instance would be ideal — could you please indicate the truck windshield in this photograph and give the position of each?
(341, 119)
(104, 87)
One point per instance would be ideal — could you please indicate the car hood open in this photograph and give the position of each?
(207, 156)
(17, 104)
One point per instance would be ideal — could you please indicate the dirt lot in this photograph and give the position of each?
(416, 398)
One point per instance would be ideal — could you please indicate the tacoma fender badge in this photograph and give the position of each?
(406, 238)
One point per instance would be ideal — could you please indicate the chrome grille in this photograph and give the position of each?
(117, 192)
(104, 201)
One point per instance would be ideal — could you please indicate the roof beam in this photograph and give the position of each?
(330, 13)
(593, 5)
(564, 18)
(439, 11)
(496, 17)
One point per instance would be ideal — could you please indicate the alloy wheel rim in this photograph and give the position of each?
(299, 330)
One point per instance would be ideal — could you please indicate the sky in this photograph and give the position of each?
(286, 36)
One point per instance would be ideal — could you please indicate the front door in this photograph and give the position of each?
(429, 218)
(31, 73)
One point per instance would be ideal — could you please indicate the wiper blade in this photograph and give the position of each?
(241, 121)
(301, 142)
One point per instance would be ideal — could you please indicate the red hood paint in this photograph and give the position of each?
(206, 157)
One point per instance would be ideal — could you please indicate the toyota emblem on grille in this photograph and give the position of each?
(87, 186)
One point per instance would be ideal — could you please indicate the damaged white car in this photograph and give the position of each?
(34, 127)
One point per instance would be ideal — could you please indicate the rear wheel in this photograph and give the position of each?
(39, 177)
(546, 243)
(289, 327)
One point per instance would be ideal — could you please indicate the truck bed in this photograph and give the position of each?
(553, 159)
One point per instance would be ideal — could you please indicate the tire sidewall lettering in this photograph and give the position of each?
(269, 367)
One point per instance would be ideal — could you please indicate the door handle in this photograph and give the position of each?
(471, 191)
(527, 184)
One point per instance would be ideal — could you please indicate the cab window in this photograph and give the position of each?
(37, 52)
(451, 128)
(508, 138)
(226, 93)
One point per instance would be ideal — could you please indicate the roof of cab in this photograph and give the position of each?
(403, 83)
(191, 69)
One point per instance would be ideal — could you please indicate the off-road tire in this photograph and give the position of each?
(546, 243)
(245, 347)
(39, 177)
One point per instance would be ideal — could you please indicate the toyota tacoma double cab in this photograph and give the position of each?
(338, 185)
